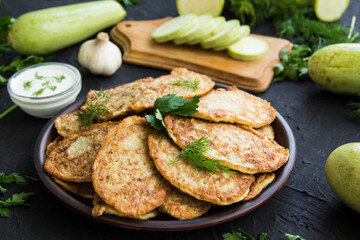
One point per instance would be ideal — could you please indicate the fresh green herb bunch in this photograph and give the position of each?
(95, 109)
(5, 23)
(301, 26)
(171, 104)
(16, 198)
(19, 63)
(254, 12)
(294, 65)
(184, 83)
(193, 153)
(294, 20)
(242, 235)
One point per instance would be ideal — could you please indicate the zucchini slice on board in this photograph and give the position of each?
(217, 25)
(203, 23)
(244, 31)
(232, 28)
(248, 49)
(174, 28)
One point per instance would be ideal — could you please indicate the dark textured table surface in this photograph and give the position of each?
(305, 205)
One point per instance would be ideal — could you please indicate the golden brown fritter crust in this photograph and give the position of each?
(141, 94)
(235, 106)
(135, 97)
(261, 181)
(237, 146)
(164, 86)
(72, 158)
(267, 131)
(53, 145)
(100, 207)
(183, 206)
(217, 188)
(85, 189)
(67, 124)
(124, 175)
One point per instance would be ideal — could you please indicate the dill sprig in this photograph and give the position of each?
(94, 110)
(193, 153)
(46, 82)
(184, 83)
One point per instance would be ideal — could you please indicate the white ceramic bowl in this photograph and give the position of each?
(48, 105)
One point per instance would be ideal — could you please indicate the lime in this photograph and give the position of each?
(199, 7)
(174, 28)
(248, 49)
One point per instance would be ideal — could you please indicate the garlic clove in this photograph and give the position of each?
(100, 55)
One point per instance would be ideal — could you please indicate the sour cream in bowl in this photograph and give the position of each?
(42, 90)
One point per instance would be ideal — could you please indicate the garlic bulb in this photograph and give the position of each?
(100, 56)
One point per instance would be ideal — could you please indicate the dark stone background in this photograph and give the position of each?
(305, 205)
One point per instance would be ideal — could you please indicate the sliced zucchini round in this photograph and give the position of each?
(248, 49)
(174, 28)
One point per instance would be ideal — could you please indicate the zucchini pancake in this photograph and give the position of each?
(137, 96)
(71, 158)
(124, 175)
(130, 168)
(221, 189)
(237, 146)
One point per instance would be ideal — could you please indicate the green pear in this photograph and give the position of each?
(342, 170)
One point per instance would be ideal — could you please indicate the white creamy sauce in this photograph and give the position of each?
(43, 81)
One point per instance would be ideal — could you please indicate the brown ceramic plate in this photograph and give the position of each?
(216, 215)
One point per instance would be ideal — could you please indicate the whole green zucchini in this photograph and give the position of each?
(48, 30)
(337, 68)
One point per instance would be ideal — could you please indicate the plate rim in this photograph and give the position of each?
(203, 221)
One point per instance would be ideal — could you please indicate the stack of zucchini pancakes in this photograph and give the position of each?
(128, 168)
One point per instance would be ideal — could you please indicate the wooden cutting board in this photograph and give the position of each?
(134, 37)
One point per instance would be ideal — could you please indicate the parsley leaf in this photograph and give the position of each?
(15, 199)
(5, 212)
(3, 190)
(3, 81)
(240, 235)
(293, 237)
(19, 63)
(264, 236)
(294, 64)
(171, 104)
(15, 177)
